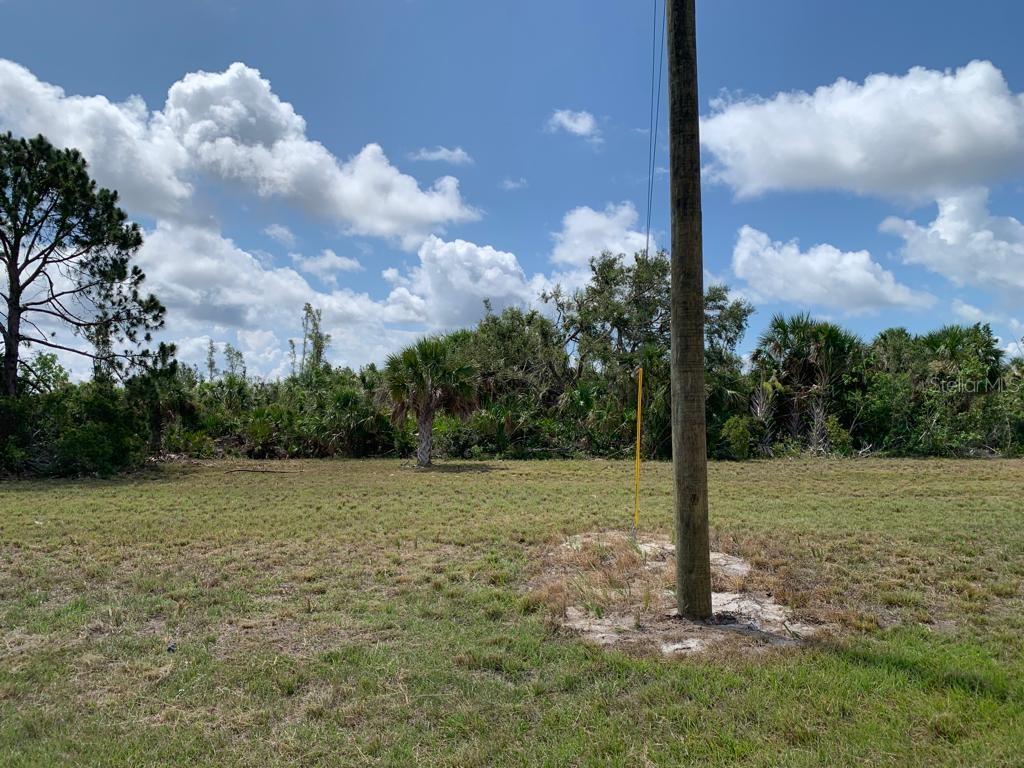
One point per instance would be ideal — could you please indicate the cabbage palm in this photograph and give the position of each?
(959, 349)
(806, 356)
(426, 378)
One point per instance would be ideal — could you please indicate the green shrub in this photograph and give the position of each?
(737, 438)
(79, 429)
(787, 448)
(839, 440)
(195, 443)
(101, 434)
(16, 422)
(261, 433)
(455, 438)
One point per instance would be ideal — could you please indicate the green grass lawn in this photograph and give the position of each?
(362, 613)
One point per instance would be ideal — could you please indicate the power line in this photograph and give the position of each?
(657, 64)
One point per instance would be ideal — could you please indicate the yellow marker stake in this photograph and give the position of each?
(639, 424)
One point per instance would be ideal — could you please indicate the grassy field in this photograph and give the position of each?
(362, 613)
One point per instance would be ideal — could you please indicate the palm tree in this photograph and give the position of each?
(956, 350)
(427, 378)
(809, 358)
(894, 351)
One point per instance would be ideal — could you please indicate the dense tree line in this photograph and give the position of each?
(535, 384)
(554, 381)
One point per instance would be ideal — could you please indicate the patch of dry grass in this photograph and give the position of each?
(617, 590)
(363, 613)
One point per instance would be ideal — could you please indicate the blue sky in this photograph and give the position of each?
(299, 173)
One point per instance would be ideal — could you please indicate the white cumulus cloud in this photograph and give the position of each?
(326, 265)
(454, 278)
(587, 233)
(205, 278)
(236, 128)
(128, 149)
(230, 127)
(581, 124)
(821, 276)
(916, 135)
(970, 313)
(281, 234)
(965, 243)
(261, 348)
(457, 156)
(213, 288)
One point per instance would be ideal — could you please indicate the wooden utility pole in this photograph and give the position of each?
(689, 442)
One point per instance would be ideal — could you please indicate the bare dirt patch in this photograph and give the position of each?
(617, 591)
(16, 645)
(279, 634)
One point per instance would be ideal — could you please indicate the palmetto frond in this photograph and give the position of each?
(426, 377)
